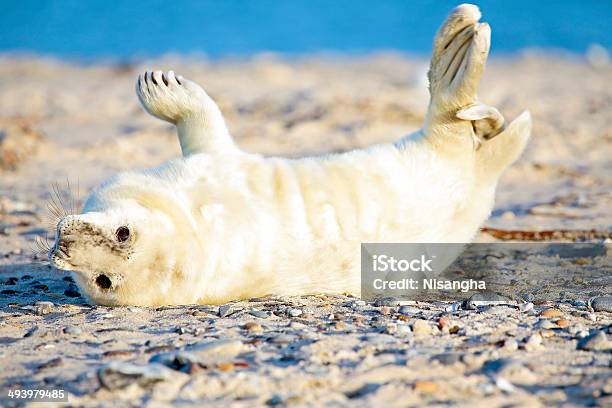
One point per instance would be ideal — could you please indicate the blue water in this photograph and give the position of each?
(131, 29)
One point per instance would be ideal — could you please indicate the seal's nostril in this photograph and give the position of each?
(103, 281)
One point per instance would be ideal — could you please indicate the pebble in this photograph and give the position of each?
(225, 367)
(549, 313)
(403, 329)
(225, 348)
(474, 361)
(545, 324)
(409, 310)
(447, 358)
(547, 333)
(421, 327)
(403, 318)
(72, 330)
(595, 341)
(179, 361)
(225, 310)
(259, 313)
(563, 323)
(511, 370)
(360, 320)
(391, 328)
(359, 303)
(196, 331)
(453, 308)
(299, 326)
(283, 339)
(576, 328)
(117, 374)
(43, 308)
(484, 299)
(510, 345)
(30, 332)
(525, 307)
(294, 312)
(504, 385)
(602, 304)
(276, 399)
(253, 327)
(385, 310)
(117, 353)
(425, 387)
(528, 297)
(388, 301)
(533, 342)
(582, 334)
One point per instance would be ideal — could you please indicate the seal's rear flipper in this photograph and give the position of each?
(497, 154)
(200, 124)
(460, 52)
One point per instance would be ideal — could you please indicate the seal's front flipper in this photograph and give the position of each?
(200, 124)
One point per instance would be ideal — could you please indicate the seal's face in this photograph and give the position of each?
(114, 252)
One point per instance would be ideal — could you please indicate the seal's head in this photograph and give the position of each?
(123, 248)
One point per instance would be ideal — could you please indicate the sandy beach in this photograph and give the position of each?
(549, 344)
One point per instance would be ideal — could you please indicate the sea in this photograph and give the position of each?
(130, 29)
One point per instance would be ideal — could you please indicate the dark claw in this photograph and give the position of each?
(164, 79)
(146, 75)
(153, 79)
(177, 80)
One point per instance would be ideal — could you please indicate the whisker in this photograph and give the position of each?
(70, 197)
(63, 201)
(44, 242)
(54, 210)
(60, 201)
(39, 246)
(78, 193)
(53, 204)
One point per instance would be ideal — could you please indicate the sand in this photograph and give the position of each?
(315, 349)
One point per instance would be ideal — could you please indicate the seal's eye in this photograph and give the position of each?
(123, 234)
(103, 282)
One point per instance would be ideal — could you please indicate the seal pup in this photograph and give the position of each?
(220, 224)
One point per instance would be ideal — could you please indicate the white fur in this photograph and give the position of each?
(221, 224)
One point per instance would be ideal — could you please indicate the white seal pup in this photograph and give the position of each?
(220, 224)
